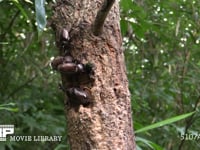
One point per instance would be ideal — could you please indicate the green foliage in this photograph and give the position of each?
(161, 39)
(164, 122)
(29, 93)
(147, 143)
(9, 107)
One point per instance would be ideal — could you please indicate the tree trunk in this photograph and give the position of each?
(107, 123)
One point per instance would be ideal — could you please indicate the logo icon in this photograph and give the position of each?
(5, 130)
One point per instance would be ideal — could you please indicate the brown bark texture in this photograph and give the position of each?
(107, 123)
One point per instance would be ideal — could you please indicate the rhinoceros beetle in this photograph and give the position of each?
(79, 96)
(77, 75)
(67, 65)
(82, 73)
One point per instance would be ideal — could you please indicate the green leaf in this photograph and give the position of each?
(138, 148)
(148, 143)
(9, 109)
(8, 104)
(40, 15)
(5, 107)
(124, 26)
(126, 4)
(28, 1)
(165, 122)
(19, 6)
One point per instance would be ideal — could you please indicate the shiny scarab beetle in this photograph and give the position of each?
(77, 75)
(78, 96)
(67, 65)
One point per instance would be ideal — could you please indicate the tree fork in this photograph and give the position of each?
(107, 124)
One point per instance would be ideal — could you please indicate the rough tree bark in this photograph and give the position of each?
(107, 124)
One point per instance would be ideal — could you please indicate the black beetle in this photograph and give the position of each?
(78, 96)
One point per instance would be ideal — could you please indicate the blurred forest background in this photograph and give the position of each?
(162, 52)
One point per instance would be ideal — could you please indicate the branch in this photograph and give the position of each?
(101, 16)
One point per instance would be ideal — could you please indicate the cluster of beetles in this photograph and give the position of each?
(77, 76)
